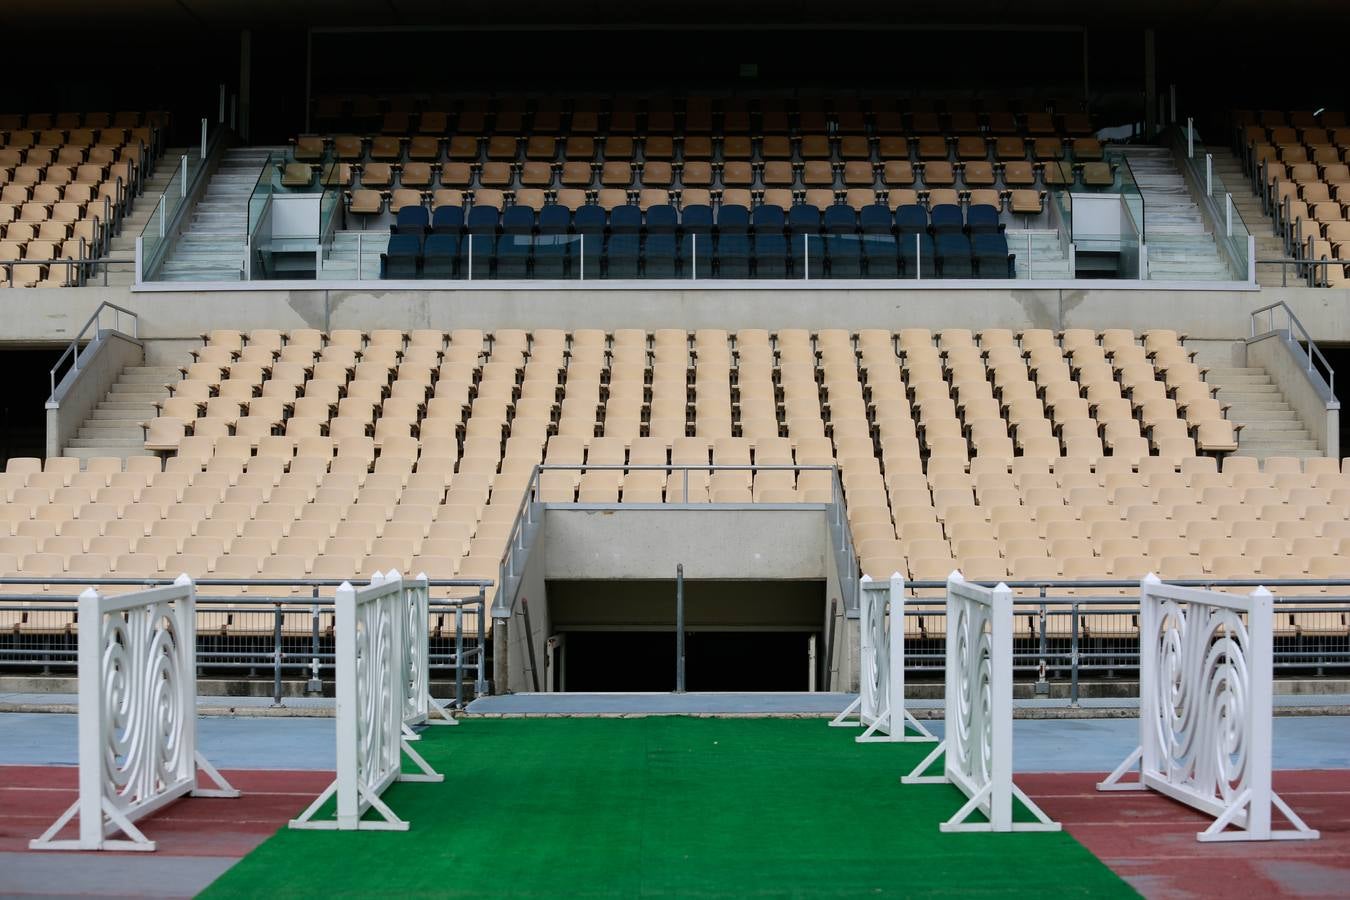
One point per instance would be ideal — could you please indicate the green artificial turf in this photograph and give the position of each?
(667, 807)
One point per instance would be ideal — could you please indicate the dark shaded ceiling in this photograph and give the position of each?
(222, 14)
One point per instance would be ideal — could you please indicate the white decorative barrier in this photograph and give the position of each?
(371, 637)
(417, 658)
(880, 705)
(978, 723)
(138, 716)
(1205, 682)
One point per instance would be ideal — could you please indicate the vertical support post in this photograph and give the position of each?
(92, 738)
(315, 684)
(1073, 655)
(581, 270)
(203, 138)
(1190, 137)
(276, 655)
(679, 628)
(1209, 174)
(1148, 669)
(471, 256)
(895, 691)
(829, 645)
(459, 657)
(811, 663)
(1260, 668)
(1000, 651)
(221, 114)
(1228, 213)
(480, 685)
(806, 257)
(918, 258)
(348, 715)
(529, 643)
(693, 264)
(182, 175)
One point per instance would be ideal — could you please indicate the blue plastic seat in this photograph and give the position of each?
(733, 254)
(554, 219)
(992, 259)
(768, 219)
(983, 219)
(447, 220)
(625, 220)
(841, 219)
(733, 218)
(946, 218)
(911, 219)
(411, 220)
(483, 220)
(658, 254)
(662, 219)
(804, 219)
(518, 220)
(441, 256)
(402, 257)
(954, 256)
(875, 219)
(696, 216)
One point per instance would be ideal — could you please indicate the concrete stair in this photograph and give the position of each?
(1046, 260)
(113, 427)
(1271, 426)
(1179, 247)
(1269, 245)
(341, 263)
(213, 246)
(123, 243)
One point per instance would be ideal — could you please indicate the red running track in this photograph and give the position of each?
(32, 797)
(1149, 840)
(1146, 838)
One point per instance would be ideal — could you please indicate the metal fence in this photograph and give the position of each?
(254, 626)
(1066, 630)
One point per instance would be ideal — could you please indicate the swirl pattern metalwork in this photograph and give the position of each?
(1201, 701)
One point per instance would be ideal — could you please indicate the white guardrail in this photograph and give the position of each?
(880, 705)
(138, 716)
(1205, 682)
(374, 630)
(977, 739)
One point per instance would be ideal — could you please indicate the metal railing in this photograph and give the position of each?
(1232, 236)
(1318, 369)
(1312, 272)
(1062, 638)
(527, 519)
(253, 631)
(170, 212)
(72, 352)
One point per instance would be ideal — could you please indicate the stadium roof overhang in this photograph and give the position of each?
(523, 14)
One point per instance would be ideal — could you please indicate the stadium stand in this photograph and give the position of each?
(1023, 456)
(66, 182)
(1295, 161)
(828, 185)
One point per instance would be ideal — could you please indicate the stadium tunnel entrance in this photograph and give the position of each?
(739, 636)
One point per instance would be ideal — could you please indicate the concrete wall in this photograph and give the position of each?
(1286, 366)
(184, 315)
(756, 544)
(79, 392)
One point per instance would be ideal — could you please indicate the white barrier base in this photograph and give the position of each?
(979, 800)
(875, 731)
(1233, 815)
(434, 708)
(116, 820)
(388, 821)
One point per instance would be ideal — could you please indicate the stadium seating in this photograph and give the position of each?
(1296, 162)
(811, 161)
(65, 182)
(1026, 456)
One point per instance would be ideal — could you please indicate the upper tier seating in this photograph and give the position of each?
(1298, 164)
(66, 181)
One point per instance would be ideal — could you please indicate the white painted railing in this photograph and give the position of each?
(372, 637)
(138, 716)
(1205, 683)
(977, 740)
(880, 704)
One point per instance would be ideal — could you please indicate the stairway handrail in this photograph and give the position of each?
(72, 352)
(168, 224)
(1298, 337)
